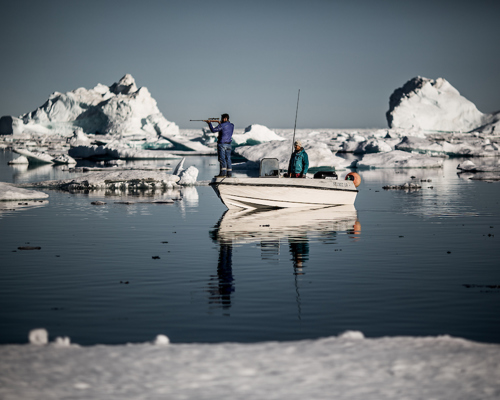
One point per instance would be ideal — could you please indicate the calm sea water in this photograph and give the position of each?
(404, 263)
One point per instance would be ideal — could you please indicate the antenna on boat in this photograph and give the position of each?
(296, 112)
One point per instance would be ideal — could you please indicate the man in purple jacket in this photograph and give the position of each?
(225, 129)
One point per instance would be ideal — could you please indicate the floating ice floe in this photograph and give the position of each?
(459, 147)
(19, 160)
(408, 186)
(486, 176)
(255, 134)
(483, 172)
(469, 166)
(79, 138)
(9, 192)
(63, 159)
(113, 180)
(35, 157)
(119, 150)
(188, 176)
(122, 179)
(183, 143)
(435, 105)
(399, 159)
(318, 153)
(373, 146)
(121, 109)
(349, 365)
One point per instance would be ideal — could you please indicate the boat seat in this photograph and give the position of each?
(325, 175)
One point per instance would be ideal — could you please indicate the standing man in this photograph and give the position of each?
(299, 162)
(225, 129)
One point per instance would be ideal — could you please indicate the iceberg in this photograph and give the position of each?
(9, 192)
(469, 166)
(63, 159)
(188, 176)
(120, 109)
(79, 138)
(119, 150)
(125, 180)
(19, 160)
(398, 159)
(435, 105)
(255, 134)
(373, 146)
(35, 157)
(453, 147)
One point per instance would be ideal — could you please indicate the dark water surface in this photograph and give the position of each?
(418, 263)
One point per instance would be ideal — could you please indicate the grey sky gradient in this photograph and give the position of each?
(249, 58)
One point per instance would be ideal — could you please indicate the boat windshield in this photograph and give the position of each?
(269, 167)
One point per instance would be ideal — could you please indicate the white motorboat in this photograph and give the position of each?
(270, 190)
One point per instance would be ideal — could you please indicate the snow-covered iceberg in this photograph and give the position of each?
(35, 157)
(469, 166)
(435, 105)
(79, 138)
(120, 109)
(119, 150)
(124, 180)
(399, 159)
(476, 147)
(255, 134)
(19, 160)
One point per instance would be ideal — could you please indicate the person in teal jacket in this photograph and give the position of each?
(299, 162)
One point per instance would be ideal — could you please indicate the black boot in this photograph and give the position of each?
(229, 173)
(222, 173)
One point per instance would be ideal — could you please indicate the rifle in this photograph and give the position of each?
(207, 120)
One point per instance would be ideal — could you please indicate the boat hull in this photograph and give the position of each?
(254, 193)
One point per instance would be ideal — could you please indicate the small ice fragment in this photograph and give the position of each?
(81, 385)
(19, 160)
(161, 340)
(39, 336)
(352, 335)
(188, 176)
(466, 165)
(62, 341)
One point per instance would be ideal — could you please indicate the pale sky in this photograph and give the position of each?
(249, 58)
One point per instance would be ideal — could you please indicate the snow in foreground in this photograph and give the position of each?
(344, 367)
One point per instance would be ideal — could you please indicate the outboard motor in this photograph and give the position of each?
(326, 175)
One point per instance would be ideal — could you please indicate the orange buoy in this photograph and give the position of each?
(353, 176)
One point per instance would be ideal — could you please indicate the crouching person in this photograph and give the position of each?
(299, 162)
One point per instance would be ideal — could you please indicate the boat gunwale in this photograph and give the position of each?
(276, 185)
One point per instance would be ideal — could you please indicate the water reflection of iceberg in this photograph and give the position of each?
(255, 225)
(17, 205)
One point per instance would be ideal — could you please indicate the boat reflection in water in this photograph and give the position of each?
(268, 227)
